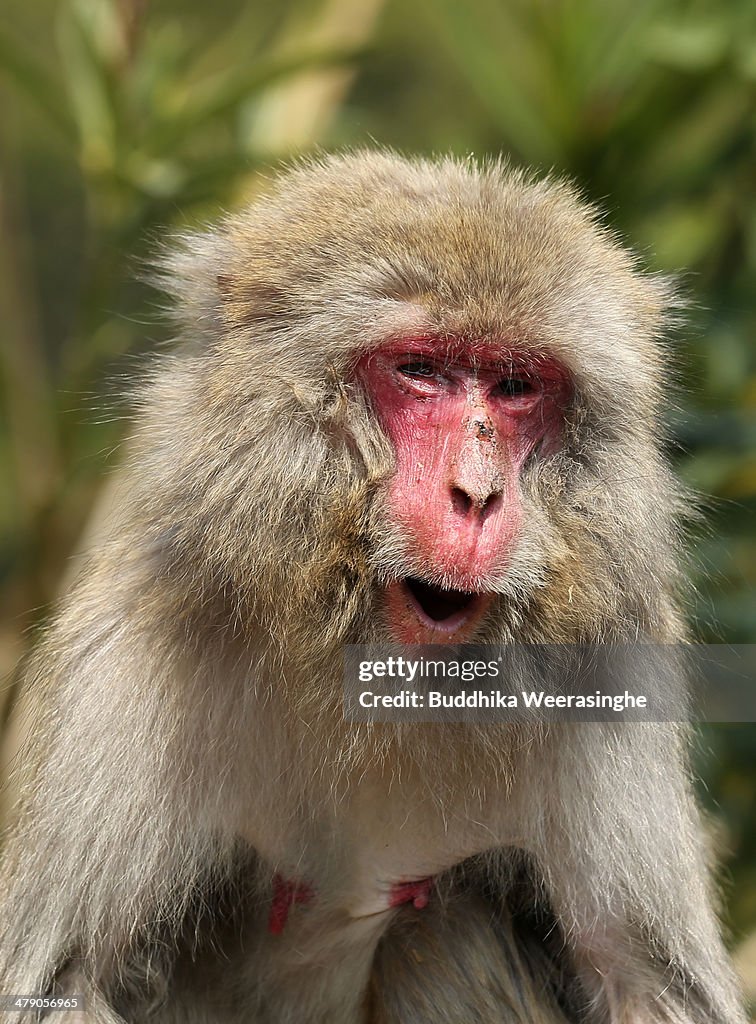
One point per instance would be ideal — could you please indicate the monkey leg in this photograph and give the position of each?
(460, 963)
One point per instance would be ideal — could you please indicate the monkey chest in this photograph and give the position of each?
(381, 849)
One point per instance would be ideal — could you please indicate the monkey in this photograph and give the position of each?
(415, 402)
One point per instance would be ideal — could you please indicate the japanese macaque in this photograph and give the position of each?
(414, 402)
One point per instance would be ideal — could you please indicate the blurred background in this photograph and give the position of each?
(120, 118)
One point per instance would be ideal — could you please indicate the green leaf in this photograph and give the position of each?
(500, 56)
(29, 77)
(211, 100)
(691, 46)
(84, 47)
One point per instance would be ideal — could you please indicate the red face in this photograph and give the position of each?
(463, 418)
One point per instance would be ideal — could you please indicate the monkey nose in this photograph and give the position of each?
(476, 488)
(475, 503)
(476, 483)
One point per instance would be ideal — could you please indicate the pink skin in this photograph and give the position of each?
(286, 893)
(416, 893)
(463, 417)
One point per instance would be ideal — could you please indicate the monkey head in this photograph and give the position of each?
(417, 402)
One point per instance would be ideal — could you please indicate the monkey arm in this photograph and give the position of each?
(628, 883)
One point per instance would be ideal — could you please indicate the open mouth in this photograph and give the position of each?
(435, 603)
(440, 610)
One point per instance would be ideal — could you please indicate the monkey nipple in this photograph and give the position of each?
(416, 893)
(285, 894)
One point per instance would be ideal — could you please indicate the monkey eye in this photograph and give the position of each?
(418, 369)
(516, 387)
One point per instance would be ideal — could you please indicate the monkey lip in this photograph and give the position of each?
(438, 610)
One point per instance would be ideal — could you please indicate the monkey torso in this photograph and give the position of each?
(356, 853)
(386, 832)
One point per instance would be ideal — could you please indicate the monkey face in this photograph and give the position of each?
(463, 419)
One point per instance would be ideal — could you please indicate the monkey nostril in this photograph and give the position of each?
(465, 505)
(489, 506)
(462, 503)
